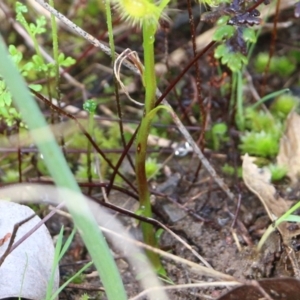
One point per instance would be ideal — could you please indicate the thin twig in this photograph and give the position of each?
(194, 266)
(13, 236)
(32, 230)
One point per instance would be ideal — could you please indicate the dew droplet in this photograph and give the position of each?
(151, 39)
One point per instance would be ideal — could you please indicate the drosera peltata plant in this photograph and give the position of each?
(146, 14)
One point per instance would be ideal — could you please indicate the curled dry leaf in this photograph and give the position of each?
(276, 288)
(289, 150)
(258, 181)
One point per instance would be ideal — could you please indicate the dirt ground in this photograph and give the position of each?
(204, 218)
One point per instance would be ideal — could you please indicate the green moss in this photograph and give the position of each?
(217, 135)
(230, 170)
(280, 65)
(258, 120)
(152, 167)
(282, 106)
(260, 144)
(277, 172)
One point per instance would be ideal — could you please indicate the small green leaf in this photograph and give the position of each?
(16, 55)
(61, 58)
(223, 32)
(32, 28)
(7, 98)
(90, 106)
(235, 62)
(221, 51)
(12, 50)
(13, 112)
(159, 233)
(28, 66)
(65, 61)
(292, 218)
(223, 20)
(36, 87)
(219, 129)
(249, 35)
(69, 61)
(151, 114)
(40, 25)
(21, 8)
(39, 64)
(2, 97)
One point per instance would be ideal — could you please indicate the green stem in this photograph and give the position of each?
(265, 236)
(55, 42)
(281, 219)
(110, 30)
(55, 51)
(149, 72)
(142, 137)
(89, 146)
(240, 118)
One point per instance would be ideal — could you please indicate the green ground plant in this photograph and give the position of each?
(264, 130)
(282, 66)
(217, 135)
(31, 69)
(230, 170)
(85, 297)
(7, 112)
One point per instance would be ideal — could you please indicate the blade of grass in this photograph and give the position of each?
(269, 96)
(62, 176)
(55, 262)
(70, 280)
